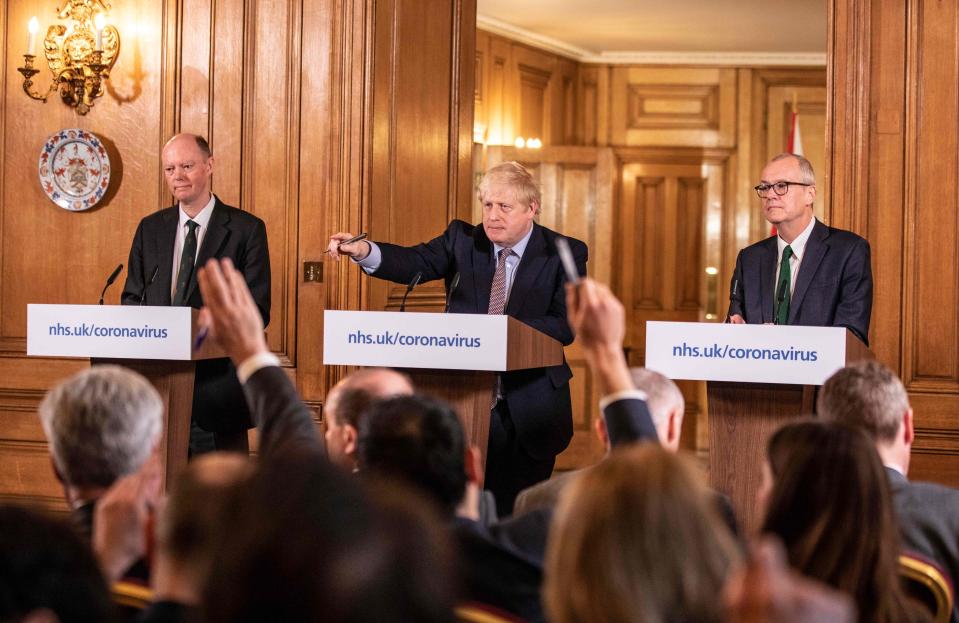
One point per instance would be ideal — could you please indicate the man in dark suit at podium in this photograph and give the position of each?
(809, 273)
(508, 266)
(167, 247)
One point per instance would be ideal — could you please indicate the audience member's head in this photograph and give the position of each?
(831, 507)
(47, 573)
(637, 538)
(419, 440)
(665, 403)
(347, 401)
(101, 424)
(309, 543)
(191, 527)
(869, 396)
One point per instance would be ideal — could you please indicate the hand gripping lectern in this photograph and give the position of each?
(157, 342)
(455, 357)
(758, 377)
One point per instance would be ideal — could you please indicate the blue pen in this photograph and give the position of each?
(200, 336)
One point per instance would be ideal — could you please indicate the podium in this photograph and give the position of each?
(157, 342)
(758, 377)
(455, 357)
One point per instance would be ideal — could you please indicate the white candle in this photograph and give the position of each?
(32, 29)
(98, 21)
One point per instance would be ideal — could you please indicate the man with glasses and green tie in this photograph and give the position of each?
(809, 273)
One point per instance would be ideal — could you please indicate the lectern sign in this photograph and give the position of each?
(109, 331)
(745, 353)
(415, 340)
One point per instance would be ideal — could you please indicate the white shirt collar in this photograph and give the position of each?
(896, 467)
(799, 244)
(203, 218)
(517, 248)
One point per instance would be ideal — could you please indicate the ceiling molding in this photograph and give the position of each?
(738, 59)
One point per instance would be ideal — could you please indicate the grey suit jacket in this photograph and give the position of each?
(928, 522)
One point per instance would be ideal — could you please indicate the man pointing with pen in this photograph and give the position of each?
(509, 265)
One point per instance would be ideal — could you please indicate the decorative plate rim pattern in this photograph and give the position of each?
(89, 170)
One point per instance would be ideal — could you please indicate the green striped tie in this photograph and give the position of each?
(785, 278)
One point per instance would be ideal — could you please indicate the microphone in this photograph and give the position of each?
(110, 280)
(153, 275)
(409, 288)
(733, 293)
(780, 297)
(449, 294)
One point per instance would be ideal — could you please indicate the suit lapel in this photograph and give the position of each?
(767, 278)
(483, 268)
(816, 248)
(529, 268)
(165, 240)
(212, 242)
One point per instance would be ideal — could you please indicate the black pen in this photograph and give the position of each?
(351, 240)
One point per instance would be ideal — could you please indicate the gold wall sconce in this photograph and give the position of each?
(80, 58)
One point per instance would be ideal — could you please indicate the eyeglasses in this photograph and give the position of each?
(781, 188)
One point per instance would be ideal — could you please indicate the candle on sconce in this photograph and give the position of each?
(32, 27)
(98, 22)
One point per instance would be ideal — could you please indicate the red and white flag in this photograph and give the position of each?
(793, 145)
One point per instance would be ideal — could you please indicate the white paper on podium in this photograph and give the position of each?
(110, 331)
(414, 340)
(751, 353)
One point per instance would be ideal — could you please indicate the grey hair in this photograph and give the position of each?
(662, 395)
(806, 171)
(866, 395)
(101, 424)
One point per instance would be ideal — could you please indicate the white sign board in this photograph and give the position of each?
(110, 331)
(745, 353)
(414, 340)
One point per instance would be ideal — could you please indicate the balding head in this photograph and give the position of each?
(349, 399)
(665, 402)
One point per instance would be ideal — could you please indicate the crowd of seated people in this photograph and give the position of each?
(384, 519)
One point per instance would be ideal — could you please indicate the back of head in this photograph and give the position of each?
(831, 507)
(202, 500)
(419, 440)
(662, 394)
(351, 396)
(45, 566)
(101, 424)
(866, 395)
(637, 538)
(309, 543)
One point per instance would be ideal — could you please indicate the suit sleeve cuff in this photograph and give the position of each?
(371, 262)
(626, 394)
(253, 364)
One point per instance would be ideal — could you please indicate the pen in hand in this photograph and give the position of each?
(356, 238)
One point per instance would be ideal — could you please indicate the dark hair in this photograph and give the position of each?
(419, 440)
(45, 565)
(310, 543)
(831, 506)
(204, 146)
(351, 404)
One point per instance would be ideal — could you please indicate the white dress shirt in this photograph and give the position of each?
(799, 249)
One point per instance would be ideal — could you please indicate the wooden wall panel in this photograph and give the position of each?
(673, 106)
(893, 119)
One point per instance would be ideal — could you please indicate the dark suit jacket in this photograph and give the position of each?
(218, 403)
(833, 288)
(538, 399)
(928, 522)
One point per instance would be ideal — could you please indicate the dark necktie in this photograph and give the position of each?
(785, 279)
(187, 260)
(497, 295)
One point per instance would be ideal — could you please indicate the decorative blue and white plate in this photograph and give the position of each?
(74, 169)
